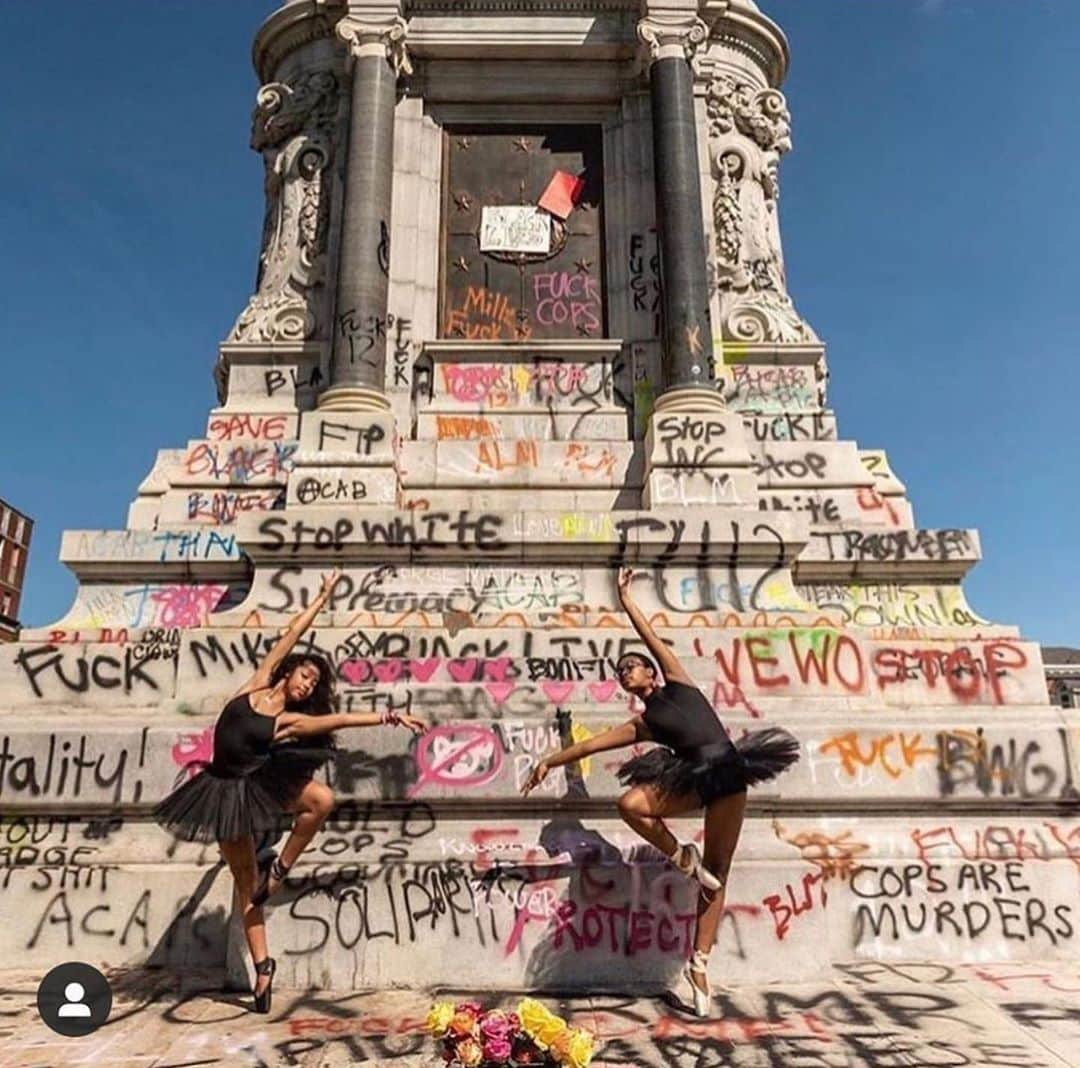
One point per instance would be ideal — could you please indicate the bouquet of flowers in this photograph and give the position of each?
(532, 1036)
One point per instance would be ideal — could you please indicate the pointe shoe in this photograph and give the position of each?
(277, 871)
(267, 967)
(699, 962)
(694, 866)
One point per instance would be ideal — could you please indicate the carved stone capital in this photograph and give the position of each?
(671, 35)
(365, 36)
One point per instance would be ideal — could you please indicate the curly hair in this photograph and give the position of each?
(322, 700)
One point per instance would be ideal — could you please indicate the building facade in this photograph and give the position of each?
(15, 531)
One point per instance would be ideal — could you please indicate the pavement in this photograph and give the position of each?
(867, 1013)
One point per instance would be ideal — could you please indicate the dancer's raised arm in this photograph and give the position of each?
(290, 636)
(615, 738)
(668, 661)
(302, 725)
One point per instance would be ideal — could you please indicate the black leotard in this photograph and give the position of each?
(680, 717)
(242, 738)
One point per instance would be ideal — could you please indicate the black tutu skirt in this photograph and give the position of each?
(214, 807)
(717, 770)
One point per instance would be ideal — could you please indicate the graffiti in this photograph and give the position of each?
(419, 529)
(886, 604)
(898, 545)
(362, 333)
(277, 380)
(224, 506)
(893, 753)
(644, 268)
(998, 842)
(465, 428)
(163, 546)
(311, 490)
(76, 674)
(487, 315)
(788, 661)
(157, 644)
(564, 298)
(360, 440)
(772, 469)
(248, 426)
(192, 750)
(784, 913)
(821, 508)
(1012, 767)
(691, 441)
(457, 757)
(786, 426)
(834, 855)
(69, 767)
(771, 389)
(1014, 911)
(401, 353)
(240, 463)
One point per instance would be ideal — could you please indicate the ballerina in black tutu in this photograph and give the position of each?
(268, 742)
(696, 765)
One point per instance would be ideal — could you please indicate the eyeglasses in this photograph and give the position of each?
(629, 666)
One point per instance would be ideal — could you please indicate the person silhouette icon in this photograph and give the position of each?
(74, 999)
(74, 992)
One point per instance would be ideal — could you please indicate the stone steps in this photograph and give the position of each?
(960, 760)
(547, 902)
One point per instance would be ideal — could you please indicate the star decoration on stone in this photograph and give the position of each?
(522, 144)
(584, 330)
(462, 201)
(462, 264)
(583, 266)
(464, 143)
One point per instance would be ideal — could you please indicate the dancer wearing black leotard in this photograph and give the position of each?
(696, 765)
(268, 742)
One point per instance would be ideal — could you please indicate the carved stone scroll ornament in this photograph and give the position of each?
(749, 130)
(658, 32)
(293, 128)
(389, 34)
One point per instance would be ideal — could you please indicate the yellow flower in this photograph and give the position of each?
(532, 1015)
(438, 1019)
(549, 1031)
(580, 1048)
(463, 1023)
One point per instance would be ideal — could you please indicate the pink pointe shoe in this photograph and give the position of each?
(687, 858)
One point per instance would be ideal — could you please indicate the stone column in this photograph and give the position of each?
(375, 35)
(671, 30)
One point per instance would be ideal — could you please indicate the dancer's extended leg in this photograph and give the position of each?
(723, 823)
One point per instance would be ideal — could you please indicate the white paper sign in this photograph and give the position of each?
(515, 229)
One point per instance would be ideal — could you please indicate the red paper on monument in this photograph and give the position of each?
(562, 194)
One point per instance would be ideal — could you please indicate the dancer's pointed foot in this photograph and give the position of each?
(263, 992)
(698, 978)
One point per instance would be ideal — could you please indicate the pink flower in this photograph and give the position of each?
(474, 1008)
(497, 1025)
(497, 1050)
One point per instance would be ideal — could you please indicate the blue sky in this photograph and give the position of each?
(929, 218)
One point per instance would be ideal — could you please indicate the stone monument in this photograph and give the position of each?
(522, 317)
